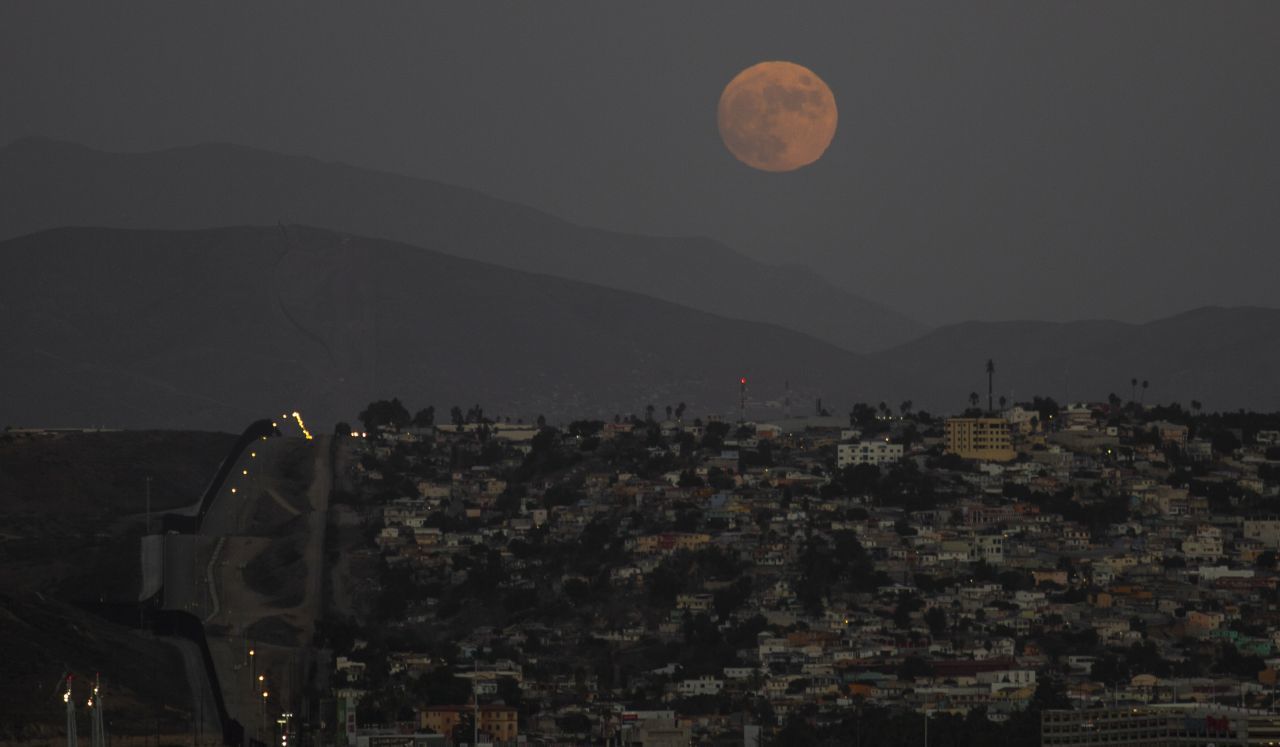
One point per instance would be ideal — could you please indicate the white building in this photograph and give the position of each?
(1266, 531)
(1205, 544)
(706, 685)
(868, 452)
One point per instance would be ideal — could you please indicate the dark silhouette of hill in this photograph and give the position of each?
(1226, 358)
(208, 329)
(47, 184)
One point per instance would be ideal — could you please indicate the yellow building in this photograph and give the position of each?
(987, 439)
(498, 722)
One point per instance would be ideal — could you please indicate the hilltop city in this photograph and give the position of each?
(1018, 572)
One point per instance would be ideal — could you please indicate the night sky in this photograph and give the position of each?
(997, 160)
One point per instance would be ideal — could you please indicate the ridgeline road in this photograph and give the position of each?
(275, 501)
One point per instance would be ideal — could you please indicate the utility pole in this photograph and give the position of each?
(71, 714)
(148, 505)
(99, 735)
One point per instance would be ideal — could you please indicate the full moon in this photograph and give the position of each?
(777, 116)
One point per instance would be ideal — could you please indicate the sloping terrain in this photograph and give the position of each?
(1224, 358)
(210, 329)
(213, 328)
(71, 505)
(70, 512)
(145, 686)
(47, 184)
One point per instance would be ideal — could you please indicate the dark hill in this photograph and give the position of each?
(1226, 358)
(211, 329)
(46, 184)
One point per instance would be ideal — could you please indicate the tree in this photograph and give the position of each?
(1145, 384)
(913, 667)
(1051, 692)
(973, 399)
(936, 619)
(574, 723)
(1003, 401)
(862, 416)
(455, 415)
(907, 603)
(991, 372)
(905, 407)
(680, 408)
(668, 412)
(1133, 389)
(648, 413)
(426, 417)
(384, 412)
(342, 429)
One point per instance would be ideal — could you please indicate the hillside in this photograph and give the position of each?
(143, 678)
(210, 329)
(1226, 358)
(46, 184)
(71, 507)
(65, 500)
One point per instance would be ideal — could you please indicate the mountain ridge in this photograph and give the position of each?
(209, 328)
(47, 183)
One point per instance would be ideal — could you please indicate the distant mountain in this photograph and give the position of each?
(47, 184)
(1226, 358)
(212, 328)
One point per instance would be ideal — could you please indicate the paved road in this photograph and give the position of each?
(190, 564)
(231, 516)
(205, 709)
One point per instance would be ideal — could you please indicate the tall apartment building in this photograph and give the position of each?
(987, 439)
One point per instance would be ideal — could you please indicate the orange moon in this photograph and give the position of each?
(777, 116)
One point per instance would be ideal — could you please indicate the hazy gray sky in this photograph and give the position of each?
(994, 160)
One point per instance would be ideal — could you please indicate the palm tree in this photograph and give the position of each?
(973, 399)
(991, 371)
(1133, 389)
(1003, 402)
(1145, 384)
(1195, 405)
(905, 407)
